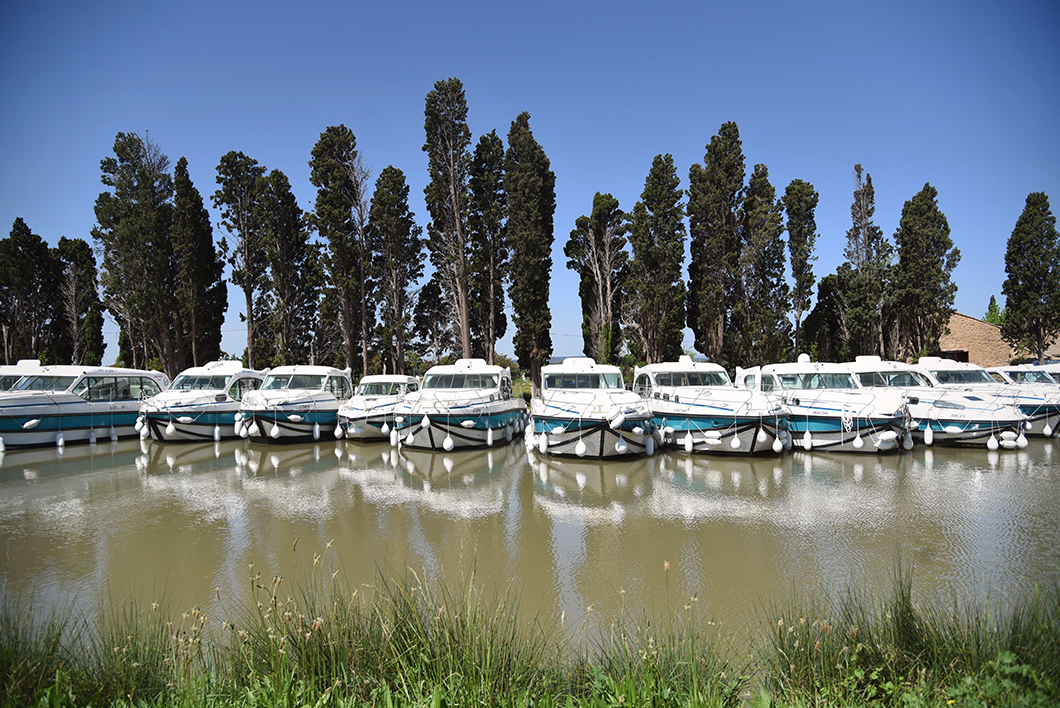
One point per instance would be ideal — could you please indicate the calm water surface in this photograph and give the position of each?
(107, 520)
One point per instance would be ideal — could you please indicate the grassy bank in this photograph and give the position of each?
(407, 643)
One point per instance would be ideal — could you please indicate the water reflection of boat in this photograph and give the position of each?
(260, 459)
(750, 477)
(591, 483)
(31, 463)
(160, 458)
(464, 484)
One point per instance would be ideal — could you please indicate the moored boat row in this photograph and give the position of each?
(582, 410)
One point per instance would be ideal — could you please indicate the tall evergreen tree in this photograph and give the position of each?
(715, 192)
(995, 315)
(488, 248)
(655, 299)
(292, 278)
(800, 203)
(30, 278)
(1032, 288)
(82, 311)
(531, 188)
(395, 237)
(825, 329)
(764, 331)
(923, 287)
(448, 162)
(201, 289)
(596, 251)
(341, 216)
(139, 275)
(430, 324)
(869, 254)
(237, 199)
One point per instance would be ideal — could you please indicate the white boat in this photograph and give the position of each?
(200, 405)
(1040, 403)
(942, 416)
(463, 405)
(295, 404)
(11, 373)
(698, 409)
(369, 414)
(584, 410)
(828, 412)
(69, 404)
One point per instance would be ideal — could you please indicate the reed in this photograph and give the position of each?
(408, 642)
(878, 651)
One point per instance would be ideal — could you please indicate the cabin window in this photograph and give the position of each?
(642, 387)
(339, 386)
(242, 386)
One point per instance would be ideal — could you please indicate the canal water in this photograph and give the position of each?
(579, 542)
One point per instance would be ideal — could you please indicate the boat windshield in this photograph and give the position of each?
(963, 376)
(461, 381)
(195, 382)
(378, 388)
(816, 380)
(312, 382)
(44, 383)
(583, 381)
(1031, 377)
(895, 379)
(692, 378)
(7, 382)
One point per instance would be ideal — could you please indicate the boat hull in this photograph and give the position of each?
(290, 426)
(212, 423)
(723, 435)
(592, 438)
(859, 436)
(65, 419)
(446, 431)
(369, 426)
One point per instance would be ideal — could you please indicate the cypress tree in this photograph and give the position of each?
(1032, 288)
(800, 202)
(488, 249)
(531, 188)
(655, 303)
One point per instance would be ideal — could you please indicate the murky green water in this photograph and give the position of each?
(113, 519)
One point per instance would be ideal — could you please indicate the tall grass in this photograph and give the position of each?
(866, 650)
(408, 642)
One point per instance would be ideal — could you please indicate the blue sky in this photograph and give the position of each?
(964, 95)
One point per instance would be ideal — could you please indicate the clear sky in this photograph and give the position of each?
(964, 95)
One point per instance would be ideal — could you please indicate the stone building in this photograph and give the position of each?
(973, 340)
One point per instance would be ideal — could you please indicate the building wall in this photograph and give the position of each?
(982, 341)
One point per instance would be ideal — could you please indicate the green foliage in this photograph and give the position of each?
(800, 202)
(448, 163)
(140, 267)
(714, 195)
(30, 302)
(1032, 288)
(82, 310)
(201, 289)
(394, 236)
(596, 250)
(341, 216)
(431, 323)
(923, 289)
(995, 314)
(488, 249)
(655, 301)
(531, 188)
(292, 280)
(761, 330)
(237, 198)
(865, 287)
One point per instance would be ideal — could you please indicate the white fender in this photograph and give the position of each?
(91, 436)
(620, 446)
(275, 432)
(929, 435)
(992, 443)
(580, 449)
(735, 444)
(216, 433)
(316, 431)
(447, 444)
(777, 445)
(1021, 441)
(688, 442)
(170, 429)
(807, 441)
(426, 422)
(542, 442)
(858, 442)
(649, 446)
(489, 437)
